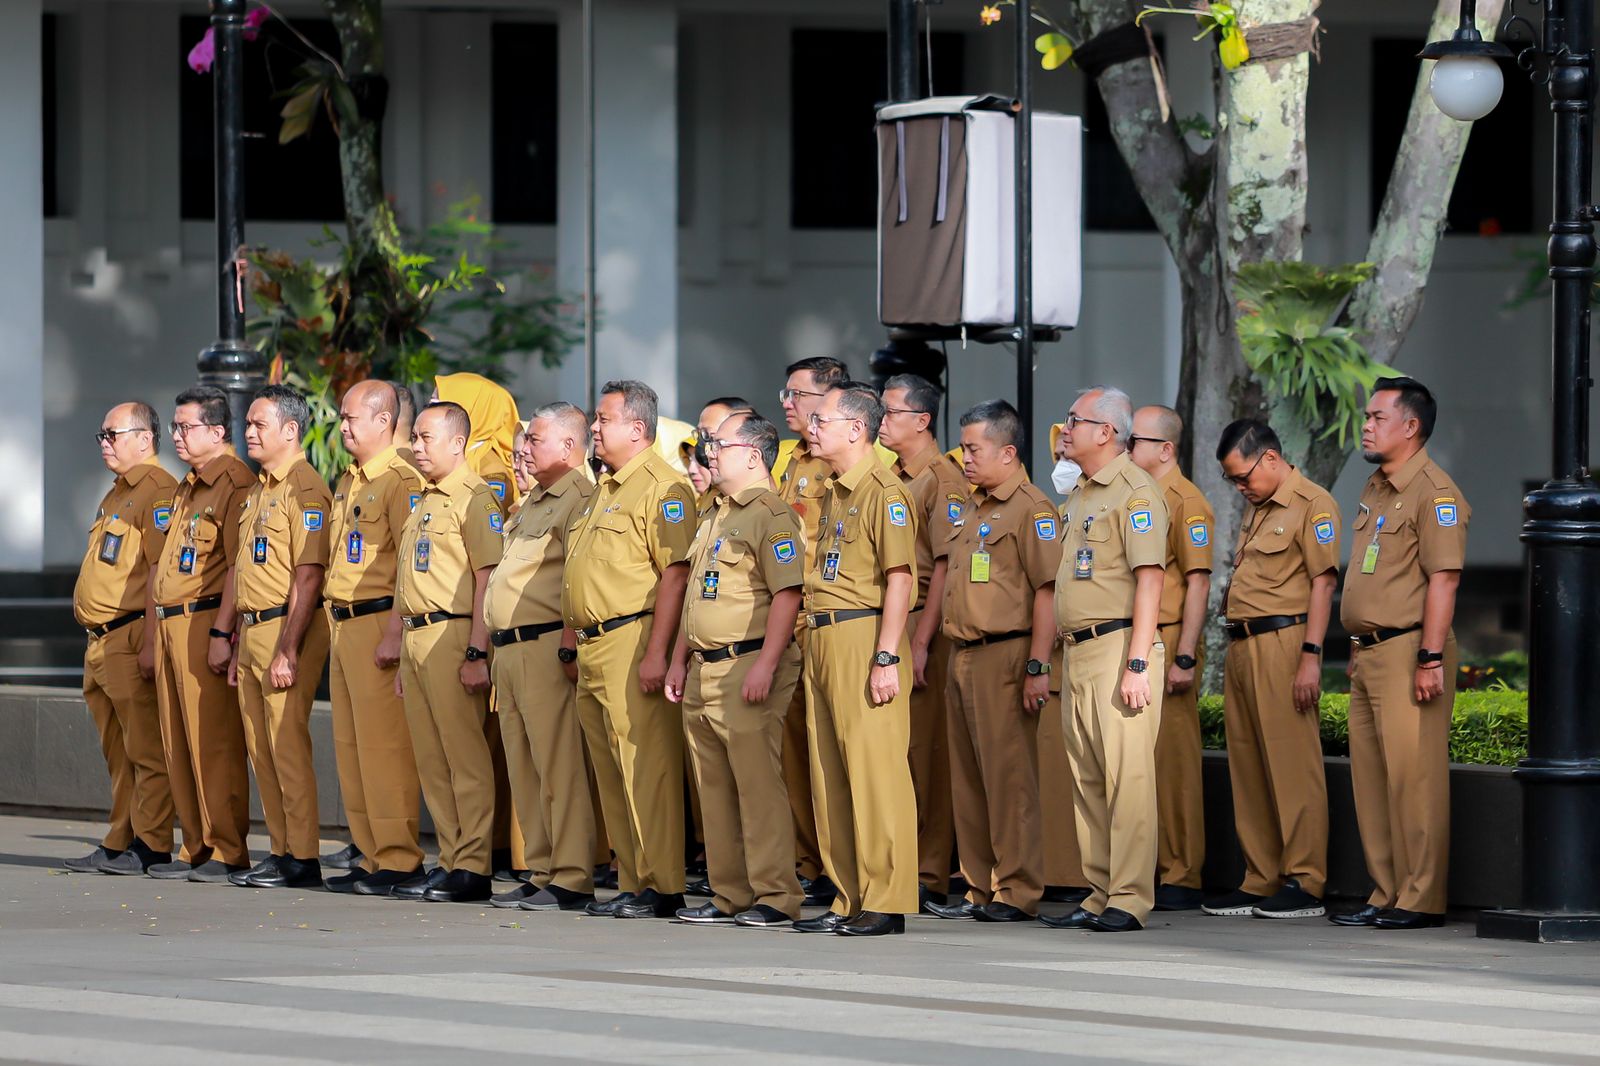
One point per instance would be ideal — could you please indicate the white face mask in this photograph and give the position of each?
(1065, 476)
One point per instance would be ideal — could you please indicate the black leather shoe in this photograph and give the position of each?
(705, 914)
(873, 923)
(995, 911)
(460, 886)
(135, 861)
(384, 882)
(608, 909)
(1178, 898)
(954, 911)
(268, 865)
(762, 916)
(346, 858)
(1064, 894)
(291, 873)
(1078, 919)
(605, 877)
(346, 882)
(651, 904)
(822, 923)
(699, 886)
(556, 898)
(210, 872)
(1364, 916)
(418, 883)
(820, 891)
(90, 863)
(1113, 920)
(1396, 918)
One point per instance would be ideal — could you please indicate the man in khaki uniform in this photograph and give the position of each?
(627, 565)
(451, 542)
(113, 602)
(1284, 572)
(1180, 795)
(938, 492)
(534, 666)
(859, 591)
(1002, 551)
(283, 639)
(202, 730)
(371, 741)
(1409, 545)
(1108, 596)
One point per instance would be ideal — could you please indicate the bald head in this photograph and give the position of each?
(367, 418)
(133, 436)
(1154, 443)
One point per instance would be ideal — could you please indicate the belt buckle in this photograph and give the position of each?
(407, 622)
(582, 635)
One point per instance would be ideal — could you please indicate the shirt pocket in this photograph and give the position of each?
(115, 545)
(1363, 520)
(608, 537)
(1271, 556)
(1099, 531)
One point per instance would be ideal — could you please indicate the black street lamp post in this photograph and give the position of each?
(230, 363)
(1560, 778)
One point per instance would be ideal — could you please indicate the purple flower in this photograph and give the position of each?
(253, 21)
(204, 54)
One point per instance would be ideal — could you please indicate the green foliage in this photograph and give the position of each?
(1287, 335)
(1231, 46)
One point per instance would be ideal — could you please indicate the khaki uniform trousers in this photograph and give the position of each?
(277, 733)
(372, 748)
(994, 755)
(202, 732)
(1280, 796)
(930, 769)
(1058, 825)
(544, 753)
(447, 735)
(1112, 749)
(1400, 770)
(124, 708)
(636, 743)
(1180, 792)
(861, 771)
(737, 752)
(797, 776)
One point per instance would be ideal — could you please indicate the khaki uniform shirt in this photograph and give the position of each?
(502, 483)
(803, 487)
(284, 524)
(938, 493)
(124, 542)
(1001, 548)
(750, 550)
(640, 521)
(370, 508)
(1424, 531)
(866, 519)
(1283, 544)
(1120, 516)
(1188, 542)
(525, 589)
(204, 533)
(454, 531)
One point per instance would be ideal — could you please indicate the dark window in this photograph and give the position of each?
(1111, 200)
(294, 182)
(51, 103)
(523, 60)
(1490, 194)
(837, 80)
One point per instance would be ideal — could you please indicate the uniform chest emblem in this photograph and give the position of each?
(897, 513)
(672, 510)
(1140, 521)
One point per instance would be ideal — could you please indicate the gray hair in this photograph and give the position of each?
(569, 416)
(290, 406)
(1112, 407)
(921, 394)
(639, 402)
(146, 417)
(857, 399)
(1000, 422)
(405, 407)
(757, 431)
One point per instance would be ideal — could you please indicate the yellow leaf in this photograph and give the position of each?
(1046, 41)
(1232, 48)
(1056, 56)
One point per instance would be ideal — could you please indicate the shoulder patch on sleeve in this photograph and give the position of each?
(312, 517)
(1321, 516)
(497, 487)
(1323, 529)
(672, 510)
(783, 548)
(1044, 524)
(1444, 499)
(1446, 513)
(1140, 521)
(952, 510)
(496, 522)
(1199, 535)
(897, 512)
(1135, 504)
(161, 515)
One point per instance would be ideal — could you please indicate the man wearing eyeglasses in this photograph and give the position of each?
(1285, 568)
(114, 604)
(1180, 800)
(697, 459)
(201, 727)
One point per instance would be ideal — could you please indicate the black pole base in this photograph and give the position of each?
(239, 370)
(1539, 927)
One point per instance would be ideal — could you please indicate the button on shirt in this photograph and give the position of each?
(1017, 527)
(454, 531)
(205, 520)
(1283, 544)
(640, 521)
(867, 519)
(124, 542)
(370, 508)
(1120, 516)
(750, 550)
(938, 493)
(804, 487)
(1188, 541)
(1424, 531)
(525, 589)
(284, 524)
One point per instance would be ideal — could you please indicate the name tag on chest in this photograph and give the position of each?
(110, 548)
(830, 566)
(186, 559)
(423, 552)
(708, 584)
(980, 568)
(352, 546)
(258, 552)
(1083, 564)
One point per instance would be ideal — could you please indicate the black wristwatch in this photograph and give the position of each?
(567, 655)
(221, 634)
(1425, 657)
(1310, 648)
(476, 654)
(1138, 666)
(884, 658)
(1184, 662)
(1035, 668)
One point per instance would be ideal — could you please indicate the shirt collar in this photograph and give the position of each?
(453, 478)
(139, 472)
(1106, 474)
(1285, 492)
(281, 471)
(377, 464)
(1009, 486)
(1409, 470)
(853, 477)
(213, 467)
(632, 466)
(912, 465)
(748, 495)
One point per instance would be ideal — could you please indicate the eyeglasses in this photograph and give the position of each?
(109, 436)
(790, 395)
(1073, 421)
(715, 446)
(1244, 478)
(817, 420)
(178, 429)
(1148, 440)
(905, 411)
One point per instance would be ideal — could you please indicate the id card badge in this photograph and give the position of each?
(1083, 564)
(708, 584)
(186, 559)
(259, 552)
(980, 567)
(424, 549)
(1369, 561)
(830, 566)
(352, 546)
(110, 548)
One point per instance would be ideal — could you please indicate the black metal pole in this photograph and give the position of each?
(902, 50)
(230, 364)
(1023, 165)
(1560, 778)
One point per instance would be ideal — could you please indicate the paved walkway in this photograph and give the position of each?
(129, 970)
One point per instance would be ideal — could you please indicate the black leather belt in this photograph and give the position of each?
(501, 637)
(1254, 627)
(818, 619)
(590, 632)
(1378, 636)
(251, 618)
(96, 632)
(717, 655)
(192, 607)
(994, 638)
(419, 621)
(1078, 636)
(365, 607)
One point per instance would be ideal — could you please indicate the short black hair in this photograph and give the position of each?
(757, 431)
(1249, 437)
(999, 420)
(921, 394)
(456, 419)
(213, 404)
(405, 404)
(290, 405)
(857, 399)
(1414, 399)
(639, 402)
(734, 404)
(147, 418)
(825, 370)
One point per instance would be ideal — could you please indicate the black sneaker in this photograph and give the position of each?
(135, 861)
(1290, 901)
(346, 858)
(1236, 904)
(90, 863)
(1178, 898)
(210, 872)
(176, 870)
(556, 898)
(514, 898)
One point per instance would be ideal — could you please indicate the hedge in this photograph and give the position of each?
(1488, 726)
